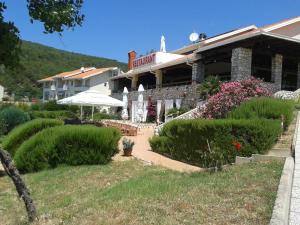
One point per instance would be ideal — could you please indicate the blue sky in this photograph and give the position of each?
(114, 27)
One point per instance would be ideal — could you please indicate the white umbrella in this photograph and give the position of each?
(140, 103)
(91, 98)
(125, 101)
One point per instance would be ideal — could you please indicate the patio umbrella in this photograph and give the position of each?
(140, 104)
(125, 101)
(91, 98)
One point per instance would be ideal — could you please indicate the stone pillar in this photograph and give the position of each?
(198, 72)
(158, 75)
(241, 62)
(298, 76)
(134, 81)
(276, 74)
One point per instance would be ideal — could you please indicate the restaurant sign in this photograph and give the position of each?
(144, 61)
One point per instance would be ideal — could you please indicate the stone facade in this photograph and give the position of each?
(276, 77)
(188, 94)
(241, 62)
(198, 72)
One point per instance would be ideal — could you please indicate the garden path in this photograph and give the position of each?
(283, 146)
(142, 151)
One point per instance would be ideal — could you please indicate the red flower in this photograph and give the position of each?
(237, 145)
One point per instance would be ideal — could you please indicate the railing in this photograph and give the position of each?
(192, 114)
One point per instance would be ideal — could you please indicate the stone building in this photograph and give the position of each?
(271, 53)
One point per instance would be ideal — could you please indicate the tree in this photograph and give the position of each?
(9, 41)
(56, 15)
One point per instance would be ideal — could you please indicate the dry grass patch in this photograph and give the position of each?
(131, 193)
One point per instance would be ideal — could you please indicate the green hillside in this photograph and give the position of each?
(40, 61)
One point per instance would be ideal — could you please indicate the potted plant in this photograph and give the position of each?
(127, 146)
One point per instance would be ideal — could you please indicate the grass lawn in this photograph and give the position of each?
(131, 193)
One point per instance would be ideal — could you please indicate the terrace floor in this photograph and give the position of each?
(142, 151)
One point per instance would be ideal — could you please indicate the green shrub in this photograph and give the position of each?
(103, 116)
(36, 106)
(23, 106)
(52, 114)
(210, 86)
(176, 112)
(21, 133)
(11, 117)
(72, 145)
(267, 108)
(53, 106)
(209, 143)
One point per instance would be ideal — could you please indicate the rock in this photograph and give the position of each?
(287, 94)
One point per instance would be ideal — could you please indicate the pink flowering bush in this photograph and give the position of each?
(231, 95)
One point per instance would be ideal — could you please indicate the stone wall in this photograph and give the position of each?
(188, 94)
(241, 61)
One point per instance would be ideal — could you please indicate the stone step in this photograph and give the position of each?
(282, 145)
(284, 142)
(280, 149)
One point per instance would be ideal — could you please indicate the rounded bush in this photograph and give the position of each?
(21, 133)
(11, 117)
(52, 114)
(210, 143)
(72, 145)
(267, 108)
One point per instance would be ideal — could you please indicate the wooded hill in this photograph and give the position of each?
(40, 61)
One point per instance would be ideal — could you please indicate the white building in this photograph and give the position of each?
(70, 83)
(1, 93)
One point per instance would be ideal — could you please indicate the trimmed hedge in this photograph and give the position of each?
(210, 143)
(21, 133)
(267, 108)
(61, 115)
(103, 116)
(11, 117)
(72, 145)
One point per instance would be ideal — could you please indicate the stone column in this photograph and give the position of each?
(158, 75)
(134, 81)
(276, 74)
(241, 62)
(198, 72)
(298, 76)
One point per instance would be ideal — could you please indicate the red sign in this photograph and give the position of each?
(145, 60)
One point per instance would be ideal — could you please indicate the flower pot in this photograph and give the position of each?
(127, 152)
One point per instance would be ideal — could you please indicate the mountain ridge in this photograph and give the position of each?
(39, 61)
